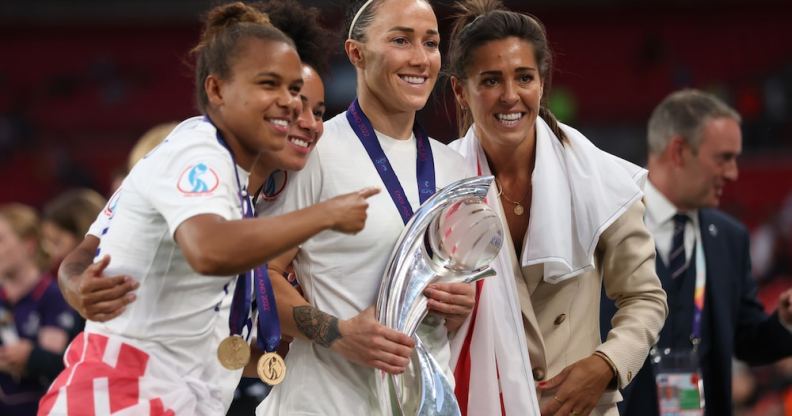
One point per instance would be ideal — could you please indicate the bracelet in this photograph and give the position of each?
(609, 362)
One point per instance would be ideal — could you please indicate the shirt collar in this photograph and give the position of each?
(659, 209)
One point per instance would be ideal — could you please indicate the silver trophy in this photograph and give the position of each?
(452, 237)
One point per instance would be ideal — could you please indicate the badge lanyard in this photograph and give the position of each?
(698, 294)
(424, 164)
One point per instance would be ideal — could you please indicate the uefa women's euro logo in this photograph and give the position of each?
(110, 208)
(198, 179)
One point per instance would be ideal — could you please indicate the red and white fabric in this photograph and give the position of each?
(578, 192)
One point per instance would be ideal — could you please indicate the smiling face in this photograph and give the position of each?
(703, 174)
(502, 91)
(305, 132)
(255, 106)
(400, 59)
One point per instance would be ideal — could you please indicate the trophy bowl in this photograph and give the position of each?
(466, 236)
(451, 238)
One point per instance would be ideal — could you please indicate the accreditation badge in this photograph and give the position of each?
(680, 389)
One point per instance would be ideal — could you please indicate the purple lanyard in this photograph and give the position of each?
(424, 164)
(269, 333)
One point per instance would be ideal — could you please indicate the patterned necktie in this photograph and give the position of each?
(677, 260)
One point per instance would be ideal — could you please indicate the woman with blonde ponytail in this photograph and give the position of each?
(338, 343)
(182, 227)
(574, 216)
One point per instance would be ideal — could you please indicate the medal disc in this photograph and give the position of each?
(233, 352)
(271, 368)
(518, 209)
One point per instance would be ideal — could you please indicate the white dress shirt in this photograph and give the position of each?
(660, 221)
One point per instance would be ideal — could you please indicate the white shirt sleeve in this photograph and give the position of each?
(100, 225)
(102, 222)
(192, 180)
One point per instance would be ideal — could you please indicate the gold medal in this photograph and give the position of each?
(233, 352)
(271, 368)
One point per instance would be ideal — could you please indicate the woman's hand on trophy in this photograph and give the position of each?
(367, 342)
(452, 301)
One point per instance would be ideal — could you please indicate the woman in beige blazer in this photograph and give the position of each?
(575, 221)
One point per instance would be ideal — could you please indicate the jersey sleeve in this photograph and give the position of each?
(102, 222)
(192, 180)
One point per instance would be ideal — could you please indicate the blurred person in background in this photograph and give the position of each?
(704, 264)
(35, 321)
(65, 221)
(146, 143)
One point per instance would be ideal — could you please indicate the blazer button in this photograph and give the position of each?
(538, 373)
(560, 319)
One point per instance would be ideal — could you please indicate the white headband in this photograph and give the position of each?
(357, 15)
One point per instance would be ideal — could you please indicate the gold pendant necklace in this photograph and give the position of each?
(518, 209)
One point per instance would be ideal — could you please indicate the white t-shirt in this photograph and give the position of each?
(177, 316)
(340, 274)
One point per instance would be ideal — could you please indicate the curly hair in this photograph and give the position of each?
(314, 43)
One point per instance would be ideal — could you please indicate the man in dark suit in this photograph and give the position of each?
(694, 141)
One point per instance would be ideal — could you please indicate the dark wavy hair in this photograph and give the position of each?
(478, 22)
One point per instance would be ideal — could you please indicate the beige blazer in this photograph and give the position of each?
(562, 320)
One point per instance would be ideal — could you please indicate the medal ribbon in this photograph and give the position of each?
(241, 302)
(424, 164)
(269, 332)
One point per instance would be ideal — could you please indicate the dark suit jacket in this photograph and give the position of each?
(734, 322)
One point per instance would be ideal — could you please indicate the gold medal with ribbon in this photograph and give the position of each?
(233, 352)
(271, 368)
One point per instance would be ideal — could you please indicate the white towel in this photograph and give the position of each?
(578, 191)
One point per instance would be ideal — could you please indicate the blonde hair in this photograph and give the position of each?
(150, 139)
(24, 222)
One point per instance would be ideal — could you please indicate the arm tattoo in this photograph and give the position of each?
(318, 326)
